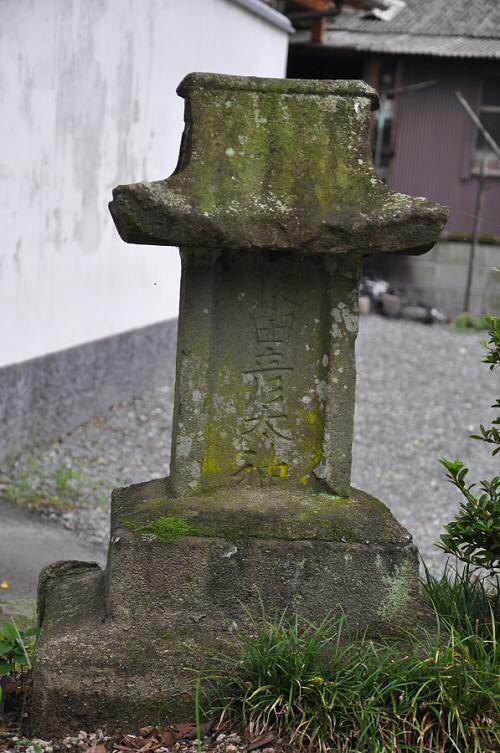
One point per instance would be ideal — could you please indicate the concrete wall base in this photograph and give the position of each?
(438, 278)
(46, 397)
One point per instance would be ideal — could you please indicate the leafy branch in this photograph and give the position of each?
(474, 535)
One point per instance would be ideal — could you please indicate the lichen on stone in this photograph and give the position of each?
(398, 585)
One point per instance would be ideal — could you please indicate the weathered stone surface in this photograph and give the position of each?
(265, 371)
(274, 202)
(276, 164)
(173, 595)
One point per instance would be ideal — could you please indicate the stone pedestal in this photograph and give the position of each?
(120, 646)
(274, 203)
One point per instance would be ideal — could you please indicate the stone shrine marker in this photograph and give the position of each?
(274, 203)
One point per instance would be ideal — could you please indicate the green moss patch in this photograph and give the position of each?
(170, 528)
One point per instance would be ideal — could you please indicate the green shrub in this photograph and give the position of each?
(16, 650)
(474, 535)
(466, 321)
(16, 647)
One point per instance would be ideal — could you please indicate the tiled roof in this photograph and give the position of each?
(447, 28)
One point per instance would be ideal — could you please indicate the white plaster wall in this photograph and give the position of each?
(87, 101)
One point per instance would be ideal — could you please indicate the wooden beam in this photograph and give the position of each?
(313, 4)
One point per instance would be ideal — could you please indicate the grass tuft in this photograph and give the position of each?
(467, 600)
(326, 688)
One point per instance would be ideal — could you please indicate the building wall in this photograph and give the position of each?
(88, 101)
(87, 92)
(434, 141)
(435, 138)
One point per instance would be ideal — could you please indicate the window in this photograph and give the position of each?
(489, 114)
(383, 145)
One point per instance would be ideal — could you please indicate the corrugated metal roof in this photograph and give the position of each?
(410, 44)
(446, 28)
(464, 18)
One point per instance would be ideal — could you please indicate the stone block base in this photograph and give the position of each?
(119, 645)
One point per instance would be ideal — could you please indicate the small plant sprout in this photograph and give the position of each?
(64, 475)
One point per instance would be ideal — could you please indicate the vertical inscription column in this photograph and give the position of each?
(265, 372)
(344, 279)
(194, 350)
(269, 369)
(267, 433)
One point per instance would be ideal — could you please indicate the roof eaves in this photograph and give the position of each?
(274, 17)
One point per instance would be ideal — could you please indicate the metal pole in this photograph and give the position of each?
(380, 132)
(476, 233)
(480, 193)
(472, 115)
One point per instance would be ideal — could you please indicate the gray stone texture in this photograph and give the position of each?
(274, 202)
(265, 399)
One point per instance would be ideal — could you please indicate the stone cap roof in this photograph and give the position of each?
(273, 164)
(443, 28)
(218, 81)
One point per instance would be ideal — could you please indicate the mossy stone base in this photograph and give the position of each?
(118, 646)
(281, 512)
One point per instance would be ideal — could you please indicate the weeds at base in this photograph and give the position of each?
(325, 688)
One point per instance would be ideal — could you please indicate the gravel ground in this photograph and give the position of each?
(180, 739)
(421, 391)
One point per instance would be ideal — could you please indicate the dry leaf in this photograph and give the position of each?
(168, 737)
(258, 742)
(132, 741)
(150, 744)
(184, 731)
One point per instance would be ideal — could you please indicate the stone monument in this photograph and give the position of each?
(274, 203)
